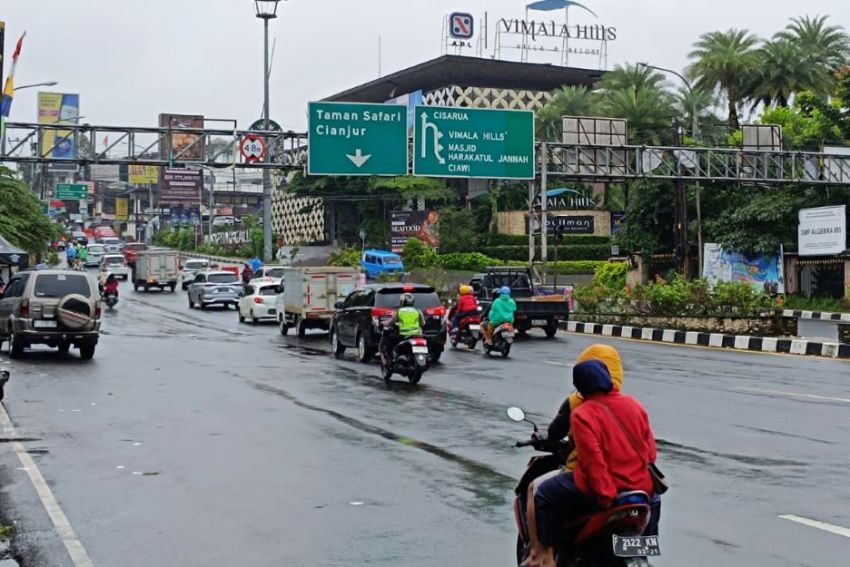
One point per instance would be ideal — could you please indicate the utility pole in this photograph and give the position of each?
(680, 217)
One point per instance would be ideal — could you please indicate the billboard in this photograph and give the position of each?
(721, 265)
(584, 224)
(414, 224)
(122, 210)
(184, 146)
(58, 108)
(822, 231)
(181, 186)
(143, 174)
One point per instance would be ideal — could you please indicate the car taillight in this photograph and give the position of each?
(25, 308)
(438, 311)
(379, 312)
(258, 300)
(97, 311)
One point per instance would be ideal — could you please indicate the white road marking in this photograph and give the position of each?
(833, 529)
(75, 548)
(559, 363)
(794, 395)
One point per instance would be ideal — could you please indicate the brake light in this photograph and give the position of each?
(379, 312)
(25, 308)
(438, 311)
(97, 311)
(419, 342)
(408, 288)
(258, 300)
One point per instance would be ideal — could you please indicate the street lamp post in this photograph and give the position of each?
(266, 10)
(695, 133)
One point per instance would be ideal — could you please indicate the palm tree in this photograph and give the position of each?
(722, 61)
(567, 101)
(649, 112)
(782, 72)
(638, 77)
(820, 43)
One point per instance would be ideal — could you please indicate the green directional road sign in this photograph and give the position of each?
(469, 142)
(72, 191)
(357, 139)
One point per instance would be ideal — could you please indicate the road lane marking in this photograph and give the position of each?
(794, 395)
(75, 548)
(833, 529)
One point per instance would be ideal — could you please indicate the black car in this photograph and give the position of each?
(357, 321)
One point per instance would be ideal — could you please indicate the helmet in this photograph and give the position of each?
(465, 290)
(505, 291)
(407, 300)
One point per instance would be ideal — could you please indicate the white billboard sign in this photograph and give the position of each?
(822, 231)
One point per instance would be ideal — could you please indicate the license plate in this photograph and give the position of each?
(420, 350)
(45, 324)
(642, 546)
(223, 290)
(507, 335)
(475, 327)
(539, 322)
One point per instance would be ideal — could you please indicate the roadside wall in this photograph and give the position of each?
(761, 326)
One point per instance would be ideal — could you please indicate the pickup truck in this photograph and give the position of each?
(537, 307)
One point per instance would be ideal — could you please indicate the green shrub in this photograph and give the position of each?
(611, 275)
(522, 240)
(417, 254)
(575, 267)
(467, 261)
(52, 258)
(567, 252)
(345, 257)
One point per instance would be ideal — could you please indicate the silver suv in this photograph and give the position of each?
(58, 308)
(215, 288)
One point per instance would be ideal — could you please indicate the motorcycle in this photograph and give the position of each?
(503, 339)
(110, 299)
(467, 331)
(607, 538)
(409, 358)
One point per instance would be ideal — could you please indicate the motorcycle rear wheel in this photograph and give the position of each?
(415, 377)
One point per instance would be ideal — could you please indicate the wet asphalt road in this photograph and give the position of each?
(193, 440)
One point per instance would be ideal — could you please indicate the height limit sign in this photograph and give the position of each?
(253, 148)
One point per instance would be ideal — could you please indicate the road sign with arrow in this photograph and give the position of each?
(357, 139)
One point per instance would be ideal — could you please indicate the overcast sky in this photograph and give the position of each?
(132, 59)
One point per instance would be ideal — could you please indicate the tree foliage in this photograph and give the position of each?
(22, 220)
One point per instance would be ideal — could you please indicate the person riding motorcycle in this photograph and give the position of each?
(501, 311)
(110, 286)
(467, 305)
(247, 274)
(615, 442)
(406, 323)
(71, 255)
(84, 254)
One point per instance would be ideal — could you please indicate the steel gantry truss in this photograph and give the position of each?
(115, 145)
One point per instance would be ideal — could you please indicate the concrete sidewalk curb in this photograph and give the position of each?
(715, 340)
(818, 316)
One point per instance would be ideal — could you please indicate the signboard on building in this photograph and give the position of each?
(822, 231)
(357, 139)
(468, 142)
(757, 270)
(185, 146)
(58, 108)
(181, 186)
(414, 224)
(143, 174)
(566, 225)
(122, 212)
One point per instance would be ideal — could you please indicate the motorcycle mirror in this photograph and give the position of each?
(516, 414)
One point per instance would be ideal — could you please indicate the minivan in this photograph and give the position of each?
(377, 262)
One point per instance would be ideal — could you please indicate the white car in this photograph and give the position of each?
(96, 254)
(190, 268)
(112, 244)
(116, 264)
(224, 221)
(258, 303)
(268, 274)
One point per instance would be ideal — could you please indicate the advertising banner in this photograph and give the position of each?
(822, 231)
(185, 146)
(122, 209)
(721, 265)
(143, 175)
(58, 108)
(414, 224)
(2, 48)
(181, 186)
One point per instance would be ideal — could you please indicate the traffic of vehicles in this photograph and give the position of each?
(354, 313)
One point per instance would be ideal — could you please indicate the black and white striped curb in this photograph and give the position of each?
(818, 315)
(715, 340)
